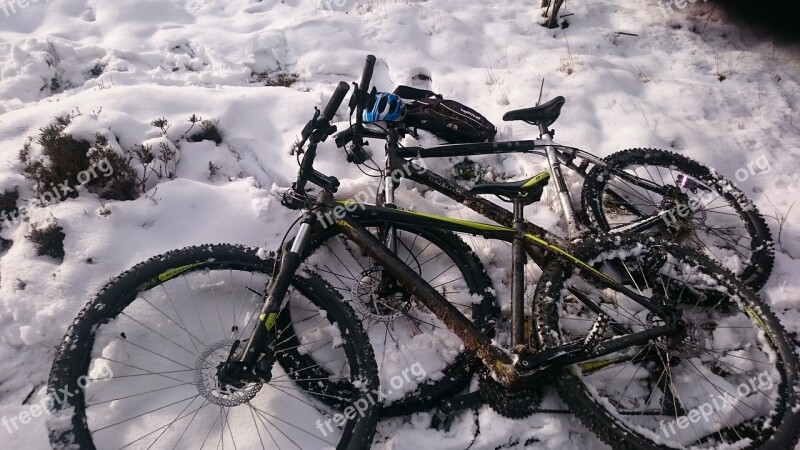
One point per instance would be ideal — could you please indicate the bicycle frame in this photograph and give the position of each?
(512, 370)
(256, 359)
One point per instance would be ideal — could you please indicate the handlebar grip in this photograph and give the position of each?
(335, 101)
(366, 75)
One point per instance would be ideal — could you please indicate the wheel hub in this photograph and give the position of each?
(678, 197)
(376, 299)
(209, 371)
(691, 340)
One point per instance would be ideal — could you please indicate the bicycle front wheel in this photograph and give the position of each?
(139, 366)
(728, 379)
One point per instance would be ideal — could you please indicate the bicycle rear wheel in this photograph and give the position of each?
(730, 381)
(139, 364)
(712, 214)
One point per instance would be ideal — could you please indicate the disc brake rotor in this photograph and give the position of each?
(373, 300)
(205, 378)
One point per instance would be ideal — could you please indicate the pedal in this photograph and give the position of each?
(443, 417)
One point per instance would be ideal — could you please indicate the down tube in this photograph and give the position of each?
(470, 334)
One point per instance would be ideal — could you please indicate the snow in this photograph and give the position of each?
(176, 58)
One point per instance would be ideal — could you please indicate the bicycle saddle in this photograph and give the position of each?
(545, 114)
(529, 190)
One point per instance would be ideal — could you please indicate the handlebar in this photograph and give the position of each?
(363, 86)
(366, 75)
(319, 128)
(335, 101)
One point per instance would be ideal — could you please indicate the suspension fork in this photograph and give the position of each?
(389, 186)
(274, 299)
(573, 229)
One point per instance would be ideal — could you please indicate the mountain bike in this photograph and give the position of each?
(634, 333)
(645, 190)
(630, 191)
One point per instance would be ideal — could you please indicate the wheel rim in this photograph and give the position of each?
(710, 221)
(155, 351)
(676, 394)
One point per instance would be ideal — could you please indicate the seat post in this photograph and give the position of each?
(518, 278)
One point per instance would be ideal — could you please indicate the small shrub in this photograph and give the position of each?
(8, 212)
(162, 124)
(68, 162)
(282, 79)
(208, 132)
(8, 205)
(49, 241)
(97, 70)
(469, 170)
(167, 155)
(213, 170)
(119, 182)
(63, 158)
(55, 83)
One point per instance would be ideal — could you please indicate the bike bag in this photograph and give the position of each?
(447, 119)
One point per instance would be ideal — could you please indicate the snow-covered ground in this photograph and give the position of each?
(119, 65)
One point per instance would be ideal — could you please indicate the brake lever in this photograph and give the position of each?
(354, 99)
(310, 126)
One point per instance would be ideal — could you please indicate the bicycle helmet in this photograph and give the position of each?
(384, 106)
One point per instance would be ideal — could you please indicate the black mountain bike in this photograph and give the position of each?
(647, 191)
(651, 344)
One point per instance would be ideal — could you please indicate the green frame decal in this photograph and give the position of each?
(174, 272)
(268, 320)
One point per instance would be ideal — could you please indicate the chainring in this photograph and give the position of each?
(516, 404)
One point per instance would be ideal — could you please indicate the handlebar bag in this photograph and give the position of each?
(447, 119)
